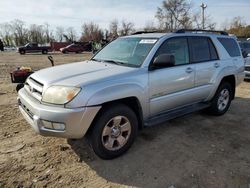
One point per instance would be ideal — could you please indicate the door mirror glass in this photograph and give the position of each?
(164, 60)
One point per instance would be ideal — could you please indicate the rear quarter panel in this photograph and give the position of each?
(228, 66)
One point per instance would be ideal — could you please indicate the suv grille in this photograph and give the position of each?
(247, 68)
(34, 87)
(26, 109)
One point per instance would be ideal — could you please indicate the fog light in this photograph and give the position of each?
(59, 126)
(47, 124)
(53, 126)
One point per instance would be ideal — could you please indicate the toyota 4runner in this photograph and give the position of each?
(134, 82)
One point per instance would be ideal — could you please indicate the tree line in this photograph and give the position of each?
(171, 15)
(17, 32)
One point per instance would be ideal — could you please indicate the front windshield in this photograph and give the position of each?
(126, 51)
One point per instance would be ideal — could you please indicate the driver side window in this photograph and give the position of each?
(178, 47)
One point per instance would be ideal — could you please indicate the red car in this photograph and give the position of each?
(76, 48)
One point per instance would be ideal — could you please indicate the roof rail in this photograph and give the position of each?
(145, 32)
(201, 30)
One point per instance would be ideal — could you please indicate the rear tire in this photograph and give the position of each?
(114, 131)
(222, 100)
(22, 52)
(44, 51)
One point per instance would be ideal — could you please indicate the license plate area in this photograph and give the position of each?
(30, 114)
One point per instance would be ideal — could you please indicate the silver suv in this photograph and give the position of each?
(134, 82)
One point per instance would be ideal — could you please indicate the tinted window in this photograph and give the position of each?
(231, 46)
(213, 52)
(177, 47)
(200, 49)
(247, 45)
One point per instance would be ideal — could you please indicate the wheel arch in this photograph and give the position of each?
(132, 102)
(232, 81)
(230, 78)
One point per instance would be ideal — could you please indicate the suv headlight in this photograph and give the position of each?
(60, 94)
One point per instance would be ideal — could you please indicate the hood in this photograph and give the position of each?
(79, 74)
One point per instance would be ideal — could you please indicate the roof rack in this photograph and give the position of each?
(201, 30)
(144, 32)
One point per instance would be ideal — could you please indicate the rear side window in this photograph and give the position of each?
(231, 46)
(213, 52)
(202, 49)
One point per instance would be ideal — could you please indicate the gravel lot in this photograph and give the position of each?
(193, 151)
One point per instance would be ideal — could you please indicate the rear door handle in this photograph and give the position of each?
(216, 65)
(189, 70)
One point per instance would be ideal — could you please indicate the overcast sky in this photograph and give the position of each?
(75, 12)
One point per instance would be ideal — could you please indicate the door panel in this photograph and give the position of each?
(173, 91)
(169, 86)
(205, 72)
(205, 58)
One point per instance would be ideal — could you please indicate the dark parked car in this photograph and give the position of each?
(245, 46)
(33, 48)
(77, 48)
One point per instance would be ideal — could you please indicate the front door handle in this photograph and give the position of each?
(189, 70)
(216, 65)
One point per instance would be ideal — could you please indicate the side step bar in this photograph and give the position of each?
(163, 117)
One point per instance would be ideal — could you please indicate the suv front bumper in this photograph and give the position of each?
(76, 121)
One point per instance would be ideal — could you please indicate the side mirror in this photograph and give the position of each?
(164, 60)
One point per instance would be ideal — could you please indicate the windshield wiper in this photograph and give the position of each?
(107, 61)
(113, 62)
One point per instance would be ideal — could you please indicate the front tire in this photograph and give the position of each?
(222, 100)
(114, 131)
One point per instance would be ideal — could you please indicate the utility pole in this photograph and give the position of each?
(203, 7)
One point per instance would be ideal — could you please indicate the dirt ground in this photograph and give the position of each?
(194, 151)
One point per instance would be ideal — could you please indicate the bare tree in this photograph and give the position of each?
(48, 33)
(114, 29)
(91, 32)
(150, 26)
(36, 34)
(208, 22)
(174, 14)
(225, 25)
(126, 28)
(20, 33)
(238, 27)
(5, 34)
(237, 22)
(59, 33)
(71, 34)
